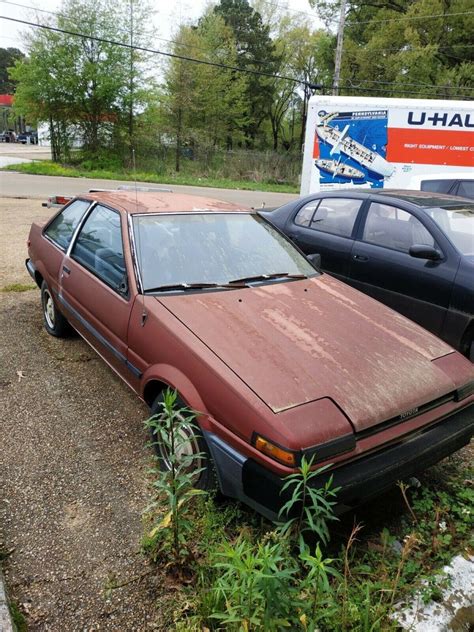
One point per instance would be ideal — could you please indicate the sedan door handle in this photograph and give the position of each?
(360, 258)
(66, 270)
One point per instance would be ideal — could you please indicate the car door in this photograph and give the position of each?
(382, 267)
(94, 287)
(58, 235)
(326, 226)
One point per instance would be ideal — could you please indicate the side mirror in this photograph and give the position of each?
(420, 251)
(122, 287)
(315, 260)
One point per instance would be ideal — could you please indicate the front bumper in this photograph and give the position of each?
(359, 480)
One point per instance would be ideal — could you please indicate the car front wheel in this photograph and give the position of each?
(190, 443)
(54, 322)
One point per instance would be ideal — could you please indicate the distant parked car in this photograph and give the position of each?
(7, 136)
(27, 137)
(461, 183)
(280, 361)
(412, 250)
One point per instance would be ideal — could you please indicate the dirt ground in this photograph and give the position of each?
(73, 464)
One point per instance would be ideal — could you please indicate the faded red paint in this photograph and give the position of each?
(301, 362)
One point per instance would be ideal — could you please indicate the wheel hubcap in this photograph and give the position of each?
(49, 309)
(187, 445)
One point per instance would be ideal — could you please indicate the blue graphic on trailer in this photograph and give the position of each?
(353, 147)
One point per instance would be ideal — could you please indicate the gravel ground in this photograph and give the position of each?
(72, 467)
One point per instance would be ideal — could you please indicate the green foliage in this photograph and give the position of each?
(249, 575)
(419, 48)
(86, 90)
(309, 508)
(8, 56)
(250, 180)
(17, 287)
(173, 481)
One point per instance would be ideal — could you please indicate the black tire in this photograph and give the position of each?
(206, 479)
(54, 322)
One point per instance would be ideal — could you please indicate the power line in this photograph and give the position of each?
(416, 85)
(405, 92)
(217, 64)
(162, 39)
(353, 23)
(154, 51)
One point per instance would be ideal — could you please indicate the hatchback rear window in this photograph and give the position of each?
(62, 228)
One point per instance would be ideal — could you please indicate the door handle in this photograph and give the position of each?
(360, 258)
(66, 270)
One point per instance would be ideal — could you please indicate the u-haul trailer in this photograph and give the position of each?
(366, 142)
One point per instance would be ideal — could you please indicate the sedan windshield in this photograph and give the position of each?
(204, 250)
(457, 222)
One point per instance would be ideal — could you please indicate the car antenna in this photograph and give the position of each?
(134, 166)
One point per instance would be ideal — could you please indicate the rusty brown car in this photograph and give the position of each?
(281, 361)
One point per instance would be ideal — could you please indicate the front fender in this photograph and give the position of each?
(177, 380)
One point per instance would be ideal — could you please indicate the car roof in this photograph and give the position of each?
(423, 199)
(157, 202)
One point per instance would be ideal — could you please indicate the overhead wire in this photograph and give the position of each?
(218, 64)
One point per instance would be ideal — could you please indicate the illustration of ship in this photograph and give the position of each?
(338, 169)
(344, 144)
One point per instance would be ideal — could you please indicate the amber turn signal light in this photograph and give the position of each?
(275, 452)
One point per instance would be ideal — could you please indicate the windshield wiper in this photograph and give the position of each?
(267, 277)
(181, 286)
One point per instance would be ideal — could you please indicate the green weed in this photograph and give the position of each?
(17, 287)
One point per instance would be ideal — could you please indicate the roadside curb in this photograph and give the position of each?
(6, 624)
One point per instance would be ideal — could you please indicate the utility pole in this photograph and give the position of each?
(340, 41)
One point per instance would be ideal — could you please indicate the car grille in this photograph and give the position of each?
(415, 412)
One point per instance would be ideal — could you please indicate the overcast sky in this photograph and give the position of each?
(169, 15)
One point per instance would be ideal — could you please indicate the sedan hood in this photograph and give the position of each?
(299, 341)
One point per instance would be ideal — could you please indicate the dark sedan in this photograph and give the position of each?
(412, 250)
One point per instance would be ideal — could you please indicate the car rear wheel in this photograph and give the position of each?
(191, 443)
(54, 322)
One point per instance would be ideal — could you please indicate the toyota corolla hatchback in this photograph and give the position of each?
(280, 360)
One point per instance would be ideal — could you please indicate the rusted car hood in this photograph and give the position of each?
(299, 341)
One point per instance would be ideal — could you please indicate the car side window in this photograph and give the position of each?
(62, 228)
(436, 186)
(466, 189)
(99, 247)
(394, 228)
(336, 216)
(305, 214)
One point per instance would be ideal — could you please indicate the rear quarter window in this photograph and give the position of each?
(62, 228)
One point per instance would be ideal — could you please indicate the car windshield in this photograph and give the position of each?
(212, 248)
(458, 224)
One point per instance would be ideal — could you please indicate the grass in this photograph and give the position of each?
(17, 287)
(49, 168)
(18, 618)
(378, 557)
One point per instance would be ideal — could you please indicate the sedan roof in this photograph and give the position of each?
(425, 199)
(149, 202)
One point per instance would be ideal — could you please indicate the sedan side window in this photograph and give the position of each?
(62, 228)
(395, 228)
(305, 214)
(336, 216)
(466, 189)
(99, 247)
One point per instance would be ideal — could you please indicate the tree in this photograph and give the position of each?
(407, 48)
(255, 51)
(81, 85)
(204, 105)
(8, 56)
